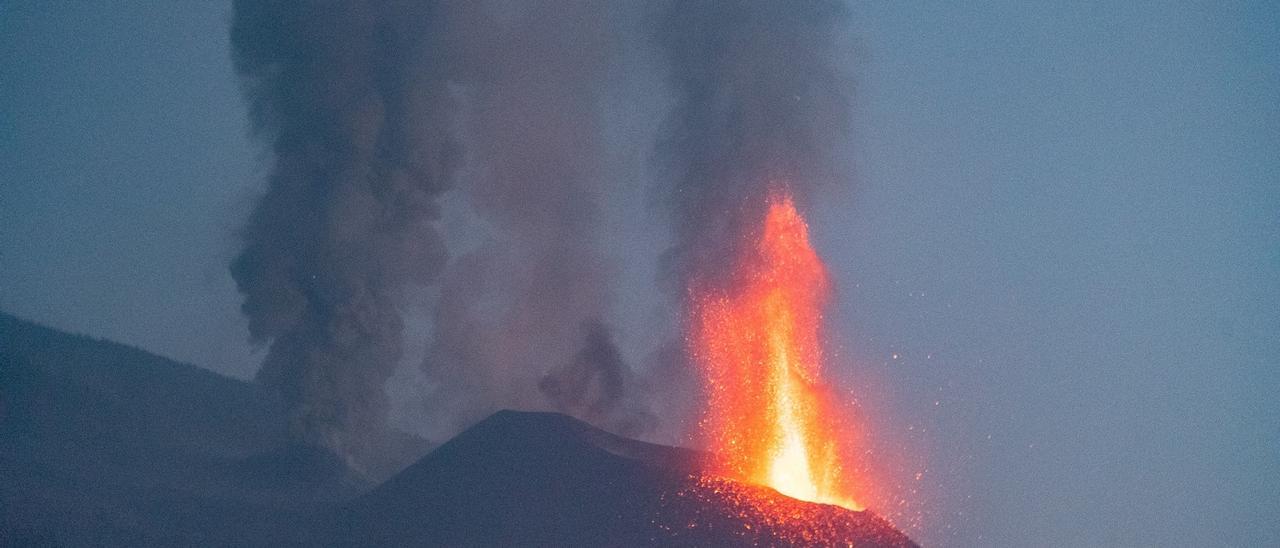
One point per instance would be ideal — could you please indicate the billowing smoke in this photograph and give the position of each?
(365, 106)
(357, 102)
(597, 385)
(513, 307)
(760, 102)
(350, 98)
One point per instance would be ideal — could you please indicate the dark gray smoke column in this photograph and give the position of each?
(759, 103)
(350, 98)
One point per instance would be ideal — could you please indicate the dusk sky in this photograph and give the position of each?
(1057, 256)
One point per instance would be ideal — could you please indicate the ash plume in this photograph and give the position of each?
(595, 383)
(365, 106)
(512, 307)
(350, 99)
(760, 102)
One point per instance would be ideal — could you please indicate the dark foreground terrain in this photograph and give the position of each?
(550, 480)
(106, 445)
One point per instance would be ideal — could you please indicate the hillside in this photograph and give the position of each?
(102, 444)
(105, 444)
(546, 479)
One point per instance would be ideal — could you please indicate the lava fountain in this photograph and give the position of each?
(769, 417)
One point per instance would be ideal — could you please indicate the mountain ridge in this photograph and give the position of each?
(105, 444)
(547, 479)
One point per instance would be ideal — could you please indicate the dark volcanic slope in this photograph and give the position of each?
(547, 479)
(105, 444)
(102, 444)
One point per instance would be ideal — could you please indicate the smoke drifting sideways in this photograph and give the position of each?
(351, 99)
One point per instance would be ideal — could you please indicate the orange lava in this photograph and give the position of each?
(769, 417)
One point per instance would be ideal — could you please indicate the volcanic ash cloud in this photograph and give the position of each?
(350, 99)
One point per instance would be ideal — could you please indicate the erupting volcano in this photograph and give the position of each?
(776, 439)
(769, 418)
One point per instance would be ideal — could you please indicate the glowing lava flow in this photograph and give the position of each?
(768, 417)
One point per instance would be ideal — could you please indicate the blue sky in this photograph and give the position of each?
(1063, 221)
(1076, 211)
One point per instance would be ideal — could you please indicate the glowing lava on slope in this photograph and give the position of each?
(769, 418)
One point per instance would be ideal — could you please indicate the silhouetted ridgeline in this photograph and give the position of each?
(105, 444)
(102, 444)
(546, 479)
